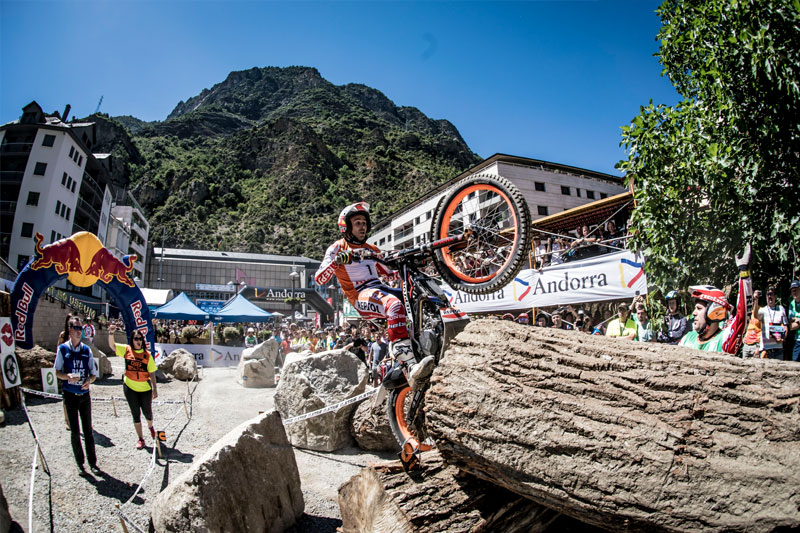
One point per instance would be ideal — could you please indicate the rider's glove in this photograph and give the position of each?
(743, 262)
(344, 258)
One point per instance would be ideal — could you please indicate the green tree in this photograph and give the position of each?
(720, 168)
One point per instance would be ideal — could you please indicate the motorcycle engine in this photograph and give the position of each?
(430, 342)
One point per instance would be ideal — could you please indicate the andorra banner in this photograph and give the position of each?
(84, 261)
(606, 277)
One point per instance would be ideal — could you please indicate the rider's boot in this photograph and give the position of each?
(417, 372)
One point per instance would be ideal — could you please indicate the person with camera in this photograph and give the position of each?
(675, 324)
(774, 324)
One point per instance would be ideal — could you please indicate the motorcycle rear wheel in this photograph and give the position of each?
(493, 210)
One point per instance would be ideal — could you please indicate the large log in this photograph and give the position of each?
(383, 498)
(621, 434)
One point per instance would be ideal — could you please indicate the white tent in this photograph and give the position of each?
(157, 297)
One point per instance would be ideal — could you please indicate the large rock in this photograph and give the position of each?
(266, 350)
(179, 364)
(31, 362)
(256, 368)
(5, 516)
(256, 373)
(246, 481)
(371, 427)
(317, 381)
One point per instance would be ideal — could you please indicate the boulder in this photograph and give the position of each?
(371, 427)
(179, 364)
(296, 356)
(256, 373)
(5, 516)
(31, 362)
(266, 350)
(317, 381)
(246, 481)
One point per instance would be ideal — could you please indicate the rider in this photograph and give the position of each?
(711, 309)
(361, 284)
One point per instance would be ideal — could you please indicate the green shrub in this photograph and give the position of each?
(189, 333)
(231, 335)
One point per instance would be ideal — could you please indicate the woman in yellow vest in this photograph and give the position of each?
(139, 383)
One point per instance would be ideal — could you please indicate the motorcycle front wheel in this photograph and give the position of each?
(491, 209)
(398, 404)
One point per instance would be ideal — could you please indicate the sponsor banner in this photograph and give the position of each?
(210, 306)
(49, 383)
(8, 361)
(607, 277)
(204, 354)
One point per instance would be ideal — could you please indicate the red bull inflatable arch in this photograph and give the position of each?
(84, 261)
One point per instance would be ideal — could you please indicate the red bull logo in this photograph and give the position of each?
(105, 266)
(21, 312)
(64, 254)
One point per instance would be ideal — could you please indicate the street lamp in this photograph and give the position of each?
(238, 288)
(334, 290)
(294, 274)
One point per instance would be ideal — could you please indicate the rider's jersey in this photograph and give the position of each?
(730, 338)
(356, 276)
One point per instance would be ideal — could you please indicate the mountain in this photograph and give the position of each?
(265, 160)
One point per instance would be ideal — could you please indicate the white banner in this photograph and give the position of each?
(8, 361)
(49, 384)
(205, 354)
(606, 277)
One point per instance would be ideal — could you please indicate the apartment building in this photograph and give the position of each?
(548, 188)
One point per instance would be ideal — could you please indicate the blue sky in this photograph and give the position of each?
(548, 80)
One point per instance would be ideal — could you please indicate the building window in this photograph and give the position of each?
(590, 195)
(603, 195)
(428, 215)
(58, 207)
(71, 151)
(49, 140)
(539, 186)
(565, 190)
(40, 169)
(80, 160)
(73, 187)
(33, 198)
(542, 209)
(27, 229)
(63, 210)
(64, 179)
(577, 192)
(22, 260)
(69, 212)
(52, 236)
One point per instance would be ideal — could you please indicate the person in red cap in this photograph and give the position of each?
(712, 309)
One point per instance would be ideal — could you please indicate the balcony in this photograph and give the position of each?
(9, 177)
(18, 148)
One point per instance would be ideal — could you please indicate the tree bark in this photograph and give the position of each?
(620, 434)
(383, 498)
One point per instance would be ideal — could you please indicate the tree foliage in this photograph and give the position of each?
(720, 168)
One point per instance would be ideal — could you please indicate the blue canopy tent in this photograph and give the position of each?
(180, 308)
(240, 309)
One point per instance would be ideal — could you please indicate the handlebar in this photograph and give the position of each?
(391, 257)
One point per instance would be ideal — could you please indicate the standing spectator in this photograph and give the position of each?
(522, 318)
(558, 323)
(644, 333)
(774, 324)
(541, 252)
(88, 330)
(74, 364)
(542, 321)
(250, 340)
(622, 327)
(377, 350)
(139, 383)
(794, 319)
(674, 322)
(557, 250)
(752, 337)
(612, 237)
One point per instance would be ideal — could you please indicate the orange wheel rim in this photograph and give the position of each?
(402, 423)
(447, 255)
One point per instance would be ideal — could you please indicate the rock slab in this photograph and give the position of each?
(371, 427)
(247, 481)
(314, 382)
(179, 364)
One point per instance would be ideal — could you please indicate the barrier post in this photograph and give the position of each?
(121, 521)
(158, 448)
(114, 405)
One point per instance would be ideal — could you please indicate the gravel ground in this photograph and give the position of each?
(67, 501)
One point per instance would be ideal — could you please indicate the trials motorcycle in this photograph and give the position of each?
(479, 240)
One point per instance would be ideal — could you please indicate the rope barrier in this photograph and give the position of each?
(331, 408)
(30, 494)
(109, 399)
(35, 436)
